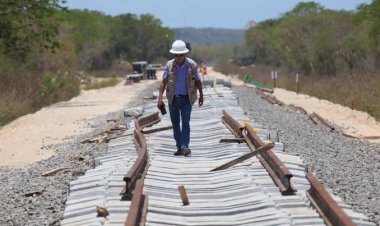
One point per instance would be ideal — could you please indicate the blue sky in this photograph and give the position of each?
(205, 13)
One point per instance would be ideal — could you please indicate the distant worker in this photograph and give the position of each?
(181, 80)
(203, 69)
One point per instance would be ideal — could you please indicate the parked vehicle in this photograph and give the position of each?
(140, 67)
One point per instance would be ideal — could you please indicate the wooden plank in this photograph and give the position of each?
(157, 129)
(324, 121)
(183, 194)
(244, 157)
(232, 140)
(54, 171)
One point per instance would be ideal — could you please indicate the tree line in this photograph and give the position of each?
(335, 53)
(210, 35)
(311, 39)
(43, 45)
(31, 29)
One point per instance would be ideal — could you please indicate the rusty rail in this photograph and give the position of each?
(276, 169)
(265, 89)
(135, 210)
(134, 180)
(321, 200)
(318, 196)
(139, 204)
(270, 98)
(326, 206)
(232, 125)
(135, 172)
(138, 167)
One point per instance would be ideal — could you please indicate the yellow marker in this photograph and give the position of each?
(245, 123)
(254, 129)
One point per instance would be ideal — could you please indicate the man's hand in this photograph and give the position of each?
(200, 100)
(161, 91)
(160, 103)
(199, 86)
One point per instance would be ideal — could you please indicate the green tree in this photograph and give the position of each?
(296, 34)
(139, 38)
(312, 40)
(370, 15)
(90, 32)
(261, 43)
(28, 24)
(305, 9)
(154, 40)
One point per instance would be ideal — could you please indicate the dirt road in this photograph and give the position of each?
(24, 141)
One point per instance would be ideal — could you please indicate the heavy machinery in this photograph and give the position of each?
(141, 70)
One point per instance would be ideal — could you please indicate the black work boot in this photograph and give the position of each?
(178, 152)
(186, 152)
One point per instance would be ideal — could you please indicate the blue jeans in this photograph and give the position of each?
(180, 109)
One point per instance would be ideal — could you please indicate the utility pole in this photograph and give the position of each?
(274, 77)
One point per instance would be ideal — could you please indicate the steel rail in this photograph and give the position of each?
(232, 125)
(276, 169)
(135, 177)
(139, 203)
(280, 174)
(138, 167)
(138, 177)
(142, 156)
(326, 206)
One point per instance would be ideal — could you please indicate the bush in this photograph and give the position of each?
(56, 88)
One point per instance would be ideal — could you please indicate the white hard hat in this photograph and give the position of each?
(179, 47)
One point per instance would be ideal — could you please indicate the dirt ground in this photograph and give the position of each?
(25, 140)
(353, 122)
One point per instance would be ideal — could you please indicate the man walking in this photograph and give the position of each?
(181, 80)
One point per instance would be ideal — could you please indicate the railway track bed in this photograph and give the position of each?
(243, 194)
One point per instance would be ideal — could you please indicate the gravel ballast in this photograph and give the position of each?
(350, 167)
(28, 198)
